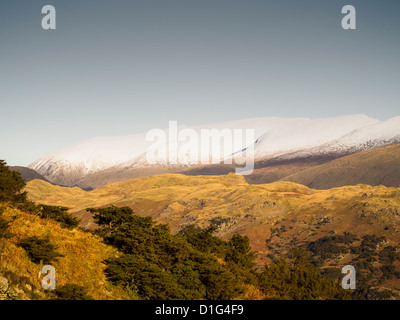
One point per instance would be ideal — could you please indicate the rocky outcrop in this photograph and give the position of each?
(9, 291)
(6, 291)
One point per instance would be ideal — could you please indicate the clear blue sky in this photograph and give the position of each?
(123, 67)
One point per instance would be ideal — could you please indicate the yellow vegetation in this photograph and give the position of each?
(82, 263)
(236, 206)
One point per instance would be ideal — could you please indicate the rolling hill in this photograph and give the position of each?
(183, 200)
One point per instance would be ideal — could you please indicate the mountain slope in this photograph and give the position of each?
(275, 170)
(378, 166)
(28, 174)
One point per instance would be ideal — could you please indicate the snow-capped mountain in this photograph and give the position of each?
(274, 138)
(72, 163)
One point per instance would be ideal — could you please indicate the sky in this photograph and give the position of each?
(114, 68)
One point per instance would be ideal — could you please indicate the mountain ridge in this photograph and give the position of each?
(100, 161)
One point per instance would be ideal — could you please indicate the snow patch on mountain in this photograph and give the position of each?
(364, 138)
(307, 134)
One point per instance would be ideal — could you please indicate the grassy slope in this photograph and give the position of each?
(81, 265)
(271, 172)
(372, 167)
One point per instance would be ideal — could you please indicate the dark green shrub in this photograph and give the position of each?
(204, 240)
(239, 252)
(59, 214)
(11, 185)
(298, 281)
(159, 265)
(39, 249)
(332, 273)
(71, 292)
(4, 225)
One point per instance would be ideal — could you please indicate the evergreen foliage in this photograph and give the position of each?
(373, 261)
(204, 240)
(4, 225)
(39, 249)
(70, 292)
(239, 252)
(298, 281)
(11, 185)
(159, 265)
(195, 264)
(59, 214)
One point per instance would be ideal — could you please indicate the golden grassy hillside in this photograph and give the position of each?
(82, 263)
(236, 206)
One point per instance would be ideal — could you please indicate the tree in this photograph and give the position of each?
(204, 240)
(59, 214)
(220, 282)
(148, 279)
(194, 264)
(39, 249)
(11, 185)
(299, 280)
(4, 225)
(157, 264)
(111, 217)
(239, 252)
